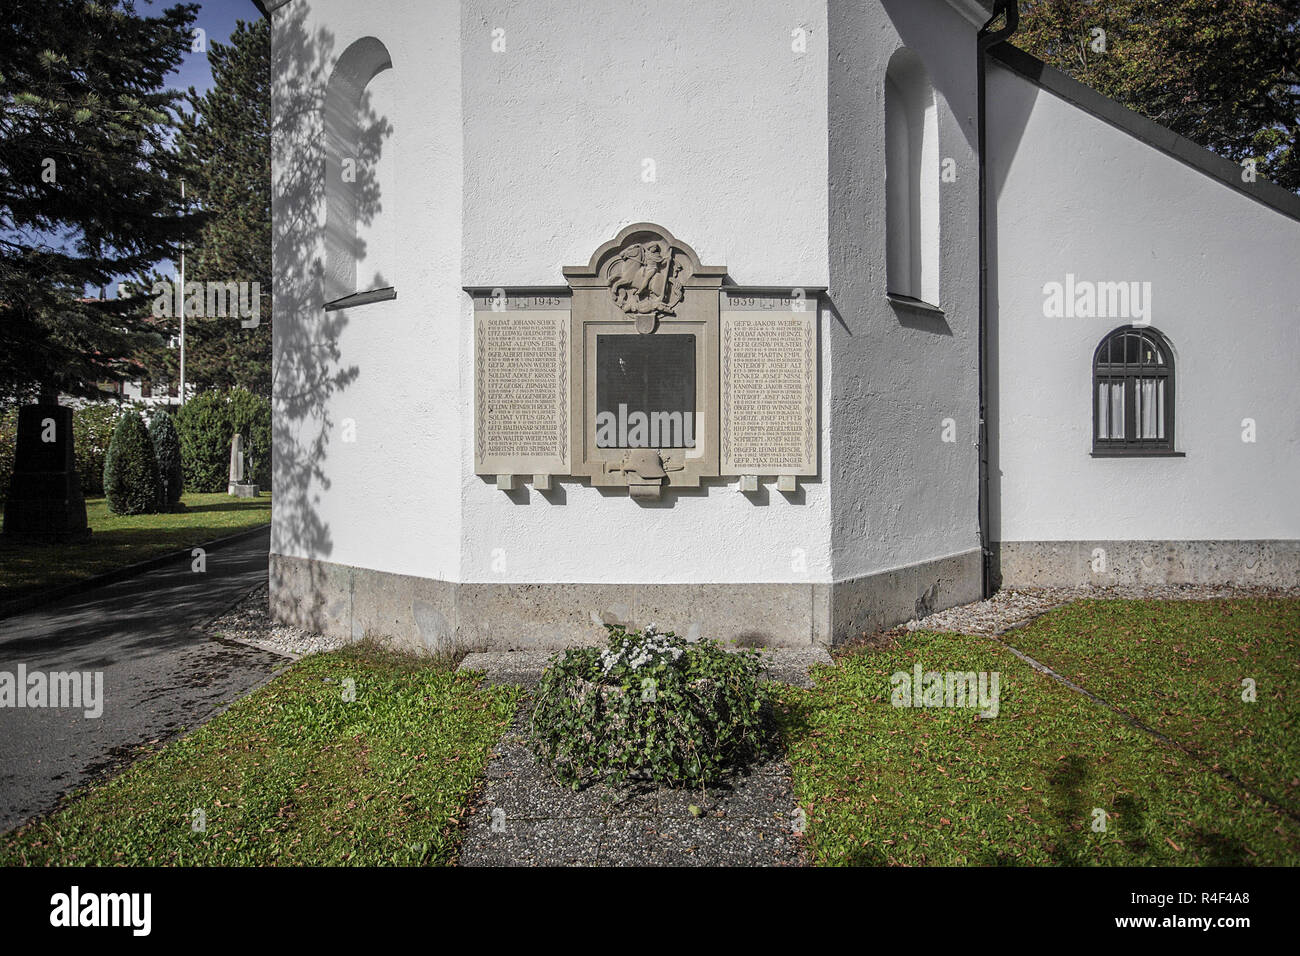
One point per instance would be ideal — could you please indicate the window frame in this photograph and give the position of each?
(913, 213)
(1129, 375)
(344, 111)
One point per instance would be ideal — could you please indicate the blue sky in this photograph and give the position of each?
(217, 19)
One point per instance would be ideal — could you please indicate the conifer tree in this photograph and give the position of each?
(228, 150)
(1223, 73)
(89, 183)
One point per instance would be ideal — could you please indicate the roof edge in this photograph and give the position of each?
(1147, 130)
(269, 7)
(976, 11)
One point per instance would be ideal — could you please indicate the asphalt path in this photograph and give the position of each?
(161, 673)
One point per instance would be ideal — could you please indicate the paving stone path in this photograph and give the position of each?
(524, 818)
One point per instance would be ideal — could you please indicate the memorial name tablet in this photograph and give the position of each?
(769, 388)
(521, 361)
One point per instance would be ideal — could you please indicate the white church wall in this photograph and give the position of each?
(590, 116)
(368, 407)
(904, 379)
(1075, 195)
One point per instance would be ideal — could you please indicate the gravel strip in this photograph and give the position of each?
(1011, 608)
(524, 818)
(249, 622)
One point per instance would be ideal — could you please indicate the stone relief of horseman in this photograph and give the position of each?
(645, 280)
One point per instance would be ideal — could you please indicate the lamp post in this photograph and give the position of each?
(181, 395)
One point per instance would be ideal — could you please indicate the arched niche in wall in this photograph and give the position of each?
(911, 180)
(359, 196)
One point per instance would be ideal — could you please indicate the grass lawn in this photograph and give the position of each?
(118, 540)
(1178, 666)
(887, 785)
(294, 774)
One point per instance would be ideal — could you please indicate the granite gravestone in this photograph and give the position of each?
(238, 486)
(45, 499)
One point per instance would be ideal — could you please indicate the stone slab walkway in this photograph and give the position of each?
(524, 818)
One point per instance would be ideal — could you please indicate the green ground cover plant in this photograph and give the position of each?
(652, 707)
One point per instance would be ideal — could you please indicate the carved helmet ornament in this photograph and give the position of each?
(645, 281)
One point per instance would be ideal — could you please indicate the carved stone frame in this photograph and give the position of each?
(595, 312)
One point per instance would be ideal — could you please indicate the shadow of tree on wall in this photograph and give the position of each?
(308, 367)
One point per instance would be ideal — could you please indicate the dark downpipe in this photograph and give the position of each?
(987, 38)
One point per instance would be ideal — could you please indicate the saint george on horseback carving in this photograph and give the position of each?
(645, 281)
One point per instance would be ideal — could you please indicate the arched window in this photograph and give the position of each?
(1133, 393)
(358, 176)
(911, 180)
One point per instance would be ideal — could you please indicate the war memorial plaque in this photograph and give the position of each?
(645, 363)
(645, 371)
(521, 385)
(768, 384)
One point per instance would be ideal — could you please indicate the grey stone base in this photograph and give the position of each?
(880, 601)
(424, 614)
(1074, 563)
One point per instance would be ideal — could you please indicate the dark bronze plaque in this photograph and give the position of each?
(645, 391)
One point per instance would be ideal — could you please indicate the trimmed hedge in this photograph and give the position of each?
(8, 447)
(92, 431)
(207, 423)
(204, 425)
(131, 481)
(167, 451)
